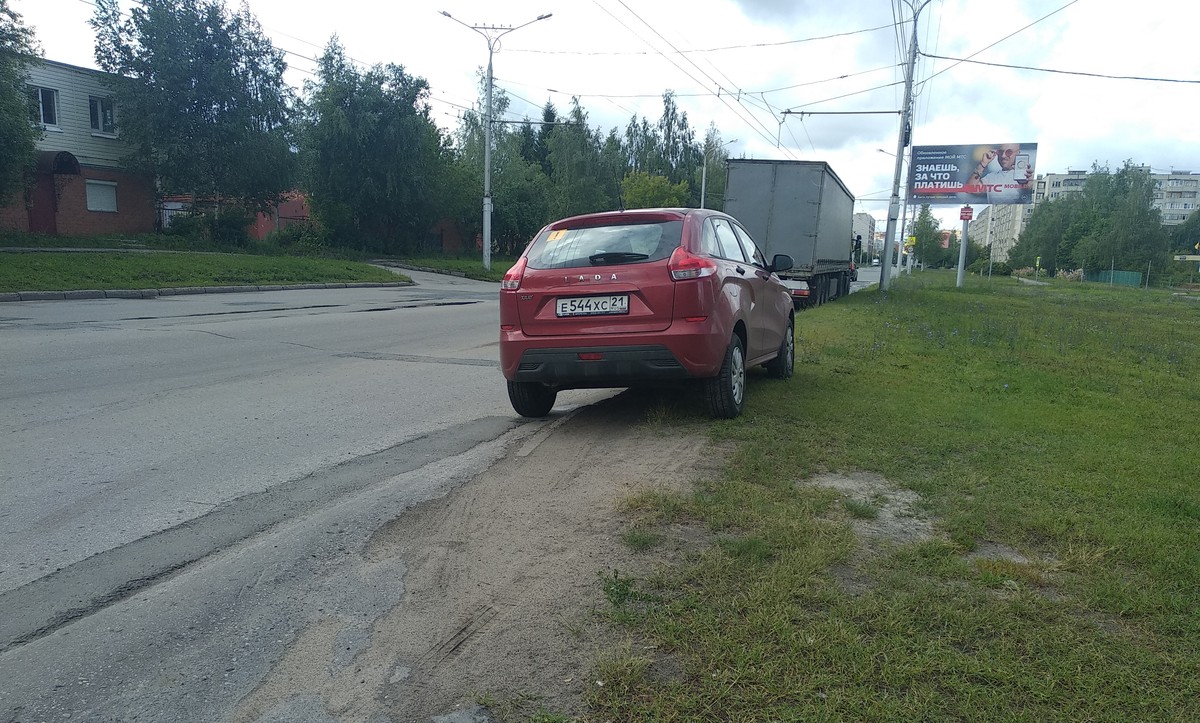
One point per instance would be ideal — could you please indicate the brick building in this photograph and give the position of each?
(79, 185)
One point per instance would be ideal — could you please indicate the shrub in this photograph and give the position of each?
(980, 266)
(229, 226)
(302, 238)
(192, 226)
(226, 227)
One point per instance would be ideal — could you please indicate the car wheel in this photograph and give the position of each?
(784, 363)
(531, 399)
(726, 392)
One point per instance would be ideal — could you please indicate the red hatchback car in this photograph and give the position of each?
(645, 297)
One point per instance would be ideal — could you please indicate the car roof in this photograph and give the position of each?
(637, 215)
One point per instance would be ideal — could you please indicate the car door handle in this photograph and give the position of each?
(740, 270)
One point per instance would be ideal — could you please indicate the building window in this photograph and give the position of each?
(101, 196)
(43, 106)
(104, 116)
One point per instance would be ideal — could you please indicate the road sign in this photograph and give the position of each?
(967, 213)
(1187, 257)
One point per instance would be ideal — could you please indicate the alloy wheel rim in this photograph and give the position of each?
(737, 375)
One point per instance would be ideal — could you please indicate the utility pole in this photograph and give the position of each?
(492, 34)
(901, 144)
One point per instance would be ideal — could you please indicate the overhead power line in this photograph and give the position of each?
(847, 95)
(738, 109)
(1001, 40)
(1065, 72)
(701, 50)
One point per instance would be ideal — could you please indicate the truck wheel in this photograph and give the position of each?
(784, 364)
(531, 399)
(726, 392)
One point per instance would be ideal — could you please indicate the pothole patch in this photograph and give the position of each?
(881, 514)
(987, 550)
(885, 512)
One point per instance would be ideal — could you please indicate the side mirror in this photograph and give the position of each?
(781, 262)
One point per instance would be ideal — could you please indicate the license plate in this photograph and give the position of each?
(592, 305)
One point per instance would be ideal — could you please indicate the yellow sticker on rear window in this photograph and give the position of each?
(556, 235)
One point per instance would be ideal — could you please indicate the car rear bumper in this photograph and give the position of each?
(685, 351)
(599, 366)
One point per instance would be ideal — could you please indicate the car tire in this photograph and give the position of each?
(784, 363)
(726, 392)
(531, 399)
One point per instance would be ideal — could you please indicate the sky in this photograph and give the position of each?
(739, 64)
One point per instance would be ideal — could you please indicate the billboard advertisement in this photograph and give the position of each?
(984, 173)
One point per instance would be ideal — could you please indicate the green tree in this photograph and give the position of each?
(642, 190)
(714, 157)
(18, 137)
(201, 98)
(372, 160)
(1112, 222)
(927, 230)
(576, 170)
(1186, 235)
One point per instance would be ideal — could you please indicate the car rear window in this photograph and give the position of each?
(629, 243)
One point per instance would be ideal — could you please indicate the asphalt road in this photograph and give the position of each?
(187, 481)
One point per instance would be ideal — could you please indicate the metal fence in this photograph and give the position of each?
(1124, 278)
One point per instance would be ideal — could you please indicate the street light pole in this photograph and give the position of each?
(492, 34)
(704, 171)
(901, 144)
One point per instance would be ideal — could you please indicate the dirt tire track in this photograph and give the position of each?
(502, 578)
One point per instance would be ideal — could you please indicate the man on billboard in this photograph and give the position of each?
(1004, 174)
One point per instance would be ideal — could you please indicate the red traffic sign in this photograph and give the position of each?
(967, 213)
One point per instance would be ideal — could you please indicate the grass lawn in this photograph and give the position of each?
(54, 271)
(1047, 436)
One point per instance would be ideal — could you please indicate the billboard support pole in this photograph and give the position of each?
(901, 143)
(962, 253)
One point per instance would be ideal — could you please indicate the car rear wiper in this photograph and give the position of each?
(616, 257)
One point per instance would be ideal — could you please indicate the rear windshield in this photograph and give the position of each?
(605, 245)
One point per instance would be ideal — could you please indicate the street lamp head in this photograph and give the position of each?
(447, 14)
(543, 17)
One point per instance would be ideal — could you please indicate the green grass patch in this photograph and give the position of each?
(1057, 422)
(641, 540)
(61, 271)
(861, 510)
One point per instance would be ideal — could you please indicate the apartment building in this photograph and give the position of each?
(998, 227)
(79, 186)
(863, 226)
(1175, 193)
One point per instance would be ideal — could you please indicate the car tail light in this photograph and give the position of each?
(512, 277)
(686, 265)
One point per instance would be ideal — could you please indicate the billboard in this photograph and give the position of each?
(984, 173)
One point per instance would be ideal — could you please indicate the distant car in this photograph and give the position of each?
(645, 297)
(853, 271)
(875, 261)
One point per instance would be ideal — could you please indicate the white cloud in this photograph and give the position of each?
(609, 50)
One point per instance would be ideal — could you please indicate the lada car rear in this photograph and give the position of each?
(646, 297)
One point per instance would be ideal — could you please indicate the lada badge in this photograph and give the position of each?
(583, 277)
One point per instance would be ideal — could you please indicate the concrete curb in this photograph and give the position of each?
(410, 267)
(182, 290)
